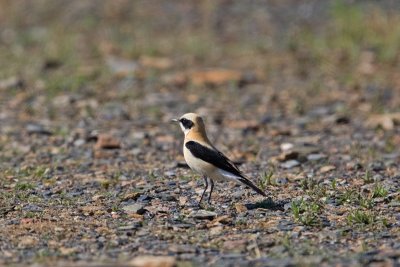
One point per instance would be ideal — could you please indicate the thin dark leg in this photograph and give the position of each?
(205, 189)
(212, 188)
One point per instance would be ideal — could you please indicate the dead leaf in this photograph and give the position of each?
(327, 168)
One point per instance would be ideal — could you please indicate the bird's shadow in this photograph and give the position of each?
(268, 203)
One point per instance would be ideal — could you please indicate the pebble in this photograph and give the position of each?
(144, 198)
(170, 173)
(378, 177)
(33, 128)
(132, 226)
(377, 166)
(282, 181)
(315, 157)
(32, 208)
(203, 214)
(79, 142)
(134, 208)
(290, 164)
(353, 166)
(286, 146)
(106, 141)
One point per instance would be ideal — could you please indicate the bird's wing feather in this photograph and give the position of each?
(213, 157)
(219, 160)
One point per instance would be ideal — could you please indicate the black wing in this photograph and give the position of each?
(213, 157)
(219, 160)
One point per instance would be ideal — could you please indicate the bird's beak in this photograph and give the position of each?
(174, 120)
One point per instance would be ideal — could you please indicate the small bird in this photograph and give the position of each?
(204, 158)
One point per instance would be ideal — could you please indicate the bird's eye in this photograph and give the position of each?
(186, 123)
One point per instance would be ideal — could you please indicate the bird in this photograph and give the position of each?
(204, 158)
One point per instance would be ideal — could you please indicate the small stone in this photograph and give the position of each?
(377, 166)
(288, 155)
(106, 141)
(285, 225)
(282, 180)
(153, 261)
(315, 157)
(377, 177)
(394, 204)
(286, 146)
(170, 173)
(144, 198)
(203, 215)
(79, 142)
(290, 164)
(342, 119)
(327, 168)
(33, 128)
(59, 229)
(132, 226)
(135, 208)
(168, 197)
(32, 208)
(237, 194)
(353, 166)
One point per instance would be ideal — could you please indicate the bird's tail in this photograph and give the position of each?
(251, 185)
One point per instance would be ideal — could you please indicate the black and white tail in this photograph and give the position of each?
(251, 185)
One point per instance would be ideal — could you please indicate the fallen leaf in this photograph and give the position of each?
(327, 168)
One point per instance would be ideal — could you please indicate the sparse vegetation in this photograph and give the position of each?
(361, 217)
(266, 180)
(306, 212)
(379, 191)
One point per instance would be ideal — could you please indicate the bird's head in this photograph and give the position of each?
(191, 122)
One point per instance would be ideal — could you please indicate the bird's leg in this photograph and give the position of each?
(205, 189)
(211, 190)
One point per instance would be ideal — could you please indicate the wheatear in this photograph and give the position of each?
(204, 158)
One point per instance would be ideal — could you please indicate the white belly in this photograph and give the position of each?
(205, 168)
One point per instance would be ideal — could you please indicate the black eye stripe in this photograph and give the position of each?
(186, 123)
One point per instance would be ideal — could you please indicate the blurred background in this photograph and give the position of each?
(122, 64)
(133, 50)
(71, 68)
